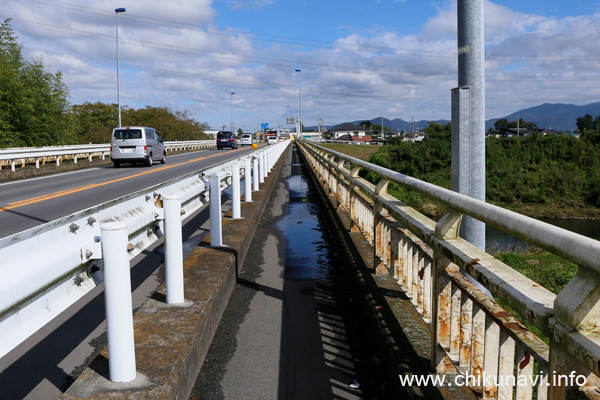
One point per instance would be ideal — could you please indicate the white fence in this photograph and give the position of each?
(37, 155)
(47, 268)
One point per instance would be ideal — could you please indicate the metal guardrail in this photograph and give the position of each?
(472, 335)
(47, 268)
(36, 155)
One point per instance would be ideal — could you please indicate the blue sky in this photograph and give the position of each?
(359, 58)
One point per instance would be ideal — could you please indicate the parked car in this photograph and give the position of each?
(271, 140)
(226, 139)
(246, 139)
(133, 144)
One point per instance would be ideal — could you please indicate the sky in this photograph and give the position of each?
(359, 59)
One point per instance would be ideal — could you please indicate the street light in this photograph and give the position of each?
(117, 11)
(232, 93)
(299, 125)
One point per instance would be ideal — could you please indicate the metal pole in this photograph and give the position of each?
(117, 298)
(235, 191)
(216, 233)
(232, 93)
(300, 101)
(173, 250)
(471, 74)
(117, 11)
(247, 180)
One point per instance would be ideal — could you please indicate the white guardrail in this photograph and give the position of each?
(26, 155)
(46, 269)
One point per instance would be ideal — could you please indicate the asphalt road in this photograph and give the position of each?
(27, 203)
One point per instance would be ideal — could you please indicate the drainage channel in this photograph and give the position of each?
(291, 328)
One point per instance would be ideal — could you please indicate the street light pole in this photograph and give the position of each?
(117, 11)
(232, 93)
(299, 130)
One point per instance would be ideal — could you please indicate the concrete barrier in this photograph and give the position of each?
(171, 341)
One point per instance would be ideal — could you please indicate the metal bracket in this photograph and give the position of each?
(92, 251)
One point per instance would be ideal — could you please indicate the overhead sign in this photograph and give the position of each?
(264, 126)
(290, 120)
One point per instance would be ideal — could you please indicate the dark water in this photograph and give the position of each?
(501, 240)
(307, 254)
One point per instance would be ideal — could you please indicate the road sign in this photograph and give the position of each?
(264, 126)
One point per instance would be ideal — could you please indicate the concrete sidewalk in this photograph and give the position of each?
(289, 331)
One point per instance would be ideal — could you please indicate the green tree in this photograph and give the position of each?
(585, 123)
(501, 123)
(95, 121)
(34, 106)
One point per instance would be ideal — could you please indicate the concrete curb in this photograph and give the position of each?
(171, 342)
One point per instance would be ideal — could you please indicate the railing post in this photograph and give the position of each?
(216, 234)
(255, 172)
(173, 250)
(247, 181)
(261, 163)
(235, 191)
(117, 297)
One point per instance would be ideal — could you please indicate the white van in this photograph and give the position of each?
(136, 143)
(246, 139)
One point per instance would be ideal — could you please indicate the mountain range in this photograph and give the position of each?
(560, 117)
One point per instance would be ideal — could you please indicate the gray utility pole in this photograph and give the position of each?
(468, 115)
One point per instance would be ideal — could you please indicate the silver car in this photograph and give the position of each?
(246, 139)
(133, 144)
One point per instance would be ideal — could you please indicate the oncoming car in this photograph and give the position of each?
(133, 144)
(272, 140)
(226, 139)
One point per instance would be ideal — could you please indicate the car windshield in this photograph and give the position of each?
(223, 135)
(128, 134)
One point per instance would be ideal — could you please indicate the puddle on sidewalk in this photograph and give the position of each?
(307, 255)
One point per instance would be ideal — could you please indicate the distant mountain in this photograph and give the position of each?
(560, 117)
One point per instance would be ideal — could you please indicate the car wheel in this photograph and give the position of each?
(163, 159)
(148, 160)
(117, 164)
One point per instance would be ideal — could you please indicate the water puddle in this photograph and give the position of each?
(307, 254)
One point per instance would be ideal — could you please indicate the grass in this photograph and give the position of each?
(362, 152)
(546, 269)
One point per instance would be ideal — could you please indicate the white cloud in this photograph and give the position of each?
(173, 54)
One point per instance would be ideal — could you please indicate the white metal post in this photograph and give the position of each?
(216, 234)
(117, 298)
(235, 191)
(261, 164)
(173, 250)
(255, 172)
(270, 155)
(247, 180)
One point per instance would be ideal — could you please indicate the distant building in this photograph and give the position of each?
(347, 130)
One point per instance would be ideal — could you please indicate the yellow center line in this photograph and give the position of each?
(66, 192)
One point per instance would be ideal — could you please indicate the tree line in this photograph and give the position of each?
(540, 174)
(35, 109)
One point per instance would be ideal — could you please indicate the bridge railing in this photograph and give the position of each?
(472, 335)
(45, 269)
(37, 155)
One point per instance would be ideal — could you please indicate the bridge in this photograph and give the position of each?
(423, 288)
